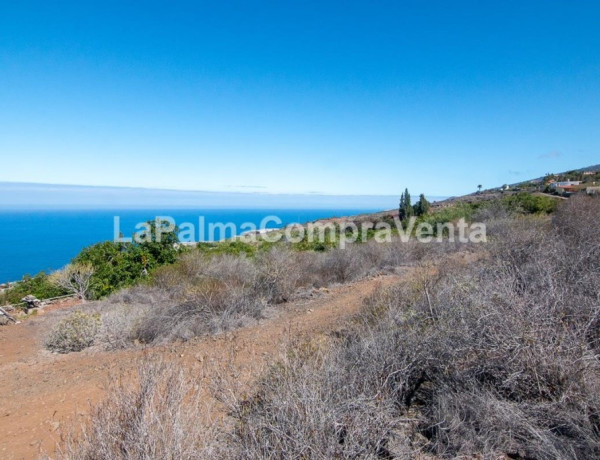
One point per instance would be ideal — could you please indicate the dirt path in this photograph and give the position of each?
(42, 393)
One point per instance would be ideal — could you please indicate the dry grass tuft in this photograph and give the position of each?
(157, 413)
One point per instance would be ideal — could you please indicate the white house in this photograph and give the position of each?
(567, 183)
(593, 190)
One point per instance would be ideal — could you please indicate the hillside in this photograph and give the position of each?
(45, 395)
(385, 348)
(536, 186)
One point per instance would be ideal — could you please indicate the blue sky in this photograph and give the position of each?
(350, 98)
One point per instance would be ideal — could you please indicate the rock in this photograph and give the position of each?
(31, 301)
(5, 318)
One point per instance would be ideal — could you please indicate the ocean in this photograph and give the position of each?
(32, 241)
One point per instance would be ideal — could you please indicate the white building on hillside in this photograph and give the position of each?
(567, 183)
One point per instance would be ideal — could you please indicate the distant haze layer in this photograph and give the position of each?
(47, 196)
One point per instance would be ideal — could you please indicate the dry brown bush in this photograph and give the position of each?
(74, 333)
(157, 413)
(204, 294)
(307, 408)
(279, 274)
(207, 294)
(498, 358)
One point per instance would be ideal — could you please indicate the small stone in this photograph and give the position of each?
(31, 301)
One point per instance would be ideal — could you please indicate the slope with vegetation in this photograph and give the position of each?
(113, 265)
(220, 286)
(495, 358)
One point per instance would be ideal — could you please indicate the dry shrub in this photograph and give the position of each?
(198, 296)
(307, 408)
(157, 413)
(279, 274)
(213, 308)
(342, 265)
(124, 311)
(577, 220)
(577, 224)
(196, 267)
(497, 358)
(74, 333)
(205, 294)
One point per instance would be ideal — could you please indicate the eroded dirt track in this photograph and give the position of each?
(42, 394)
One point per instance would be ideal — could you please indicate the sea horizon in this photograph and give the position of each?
(40, 196)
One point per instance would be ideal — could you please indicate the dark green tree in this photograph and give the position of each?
(422, 206)
(405, 210)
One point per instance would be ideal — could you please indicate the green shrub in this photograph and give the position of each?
(74, 333)
(235, 247)
(526, 203)
(450, 214)
(118, 265)
(39, 286)
(331, 236)
(317, 246)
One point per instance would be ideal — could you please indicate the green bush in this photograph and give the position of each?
(331, 236)
(526, 203)
(74, 333)
(316, 246)
(115, 265)
(118, 265)
(235, 247)
(450, 214)
(39, 286)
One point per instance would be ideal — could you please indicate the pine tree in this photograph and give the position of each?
(406, 209)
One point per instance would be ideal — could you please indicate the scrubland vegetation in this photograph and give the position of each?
(210, 293)
(498, 357)
(112, 266)
(74, 333)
